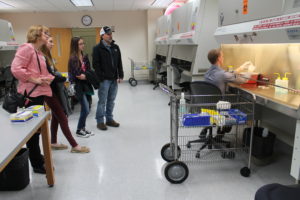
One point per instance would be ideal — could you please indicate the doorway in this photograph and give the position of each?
(62, 38)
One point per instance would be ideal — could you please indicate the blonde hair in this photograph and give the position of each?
(35, 32)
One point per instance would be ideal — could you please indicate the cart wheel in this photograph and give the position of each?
(129, 80)
(223, 154)
(167, 154)
(176, 172)
(230, 155)
(188, 145)
(245, 172)
(133, 82)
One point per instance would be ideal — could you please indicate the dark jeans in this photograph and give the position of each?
(85, 110)
(33, 144)
(107, 93)
(59, 117)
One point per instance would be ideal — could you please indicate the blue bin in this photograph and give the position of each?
(196, 120)
(240, 117)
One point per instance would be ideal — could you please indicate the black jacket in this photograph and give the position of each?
(81, 86)
(92, 78)
(108, 66)
(59, 89)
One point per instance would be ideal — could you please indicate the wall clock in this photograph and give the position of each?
(86, 20)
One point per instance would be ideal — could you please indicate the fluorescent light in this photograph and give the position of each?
(5, 5)
(161, 3)
(82, 3)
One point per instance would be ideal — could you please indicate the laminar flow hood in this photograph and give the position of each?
(280, 29)
(7, 38)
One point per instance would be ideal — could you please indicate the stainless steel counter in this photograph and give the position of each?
(288, 104)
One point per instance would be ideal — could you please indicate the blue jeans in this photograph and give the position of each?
(107, 93)
(84, 112)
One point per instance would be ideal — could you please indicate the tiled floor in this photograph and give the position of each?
(125, 162)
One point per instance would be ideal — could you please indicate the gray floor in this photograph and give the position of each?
(125, 162)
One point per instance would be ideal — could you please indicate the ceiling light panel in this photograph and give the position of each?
(161, 3)
(4, 5)
(82, 3)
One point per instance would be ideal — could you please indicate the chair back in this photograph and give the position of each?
(204, 88)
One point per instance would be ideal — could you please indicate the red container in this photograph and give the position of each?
(253, 78)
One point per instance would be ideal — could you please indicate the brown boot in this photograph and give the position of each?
(113, 123)
(102, 126)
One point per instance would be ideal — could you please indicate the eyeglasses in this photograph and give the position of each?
(81, 43)
(47, 33)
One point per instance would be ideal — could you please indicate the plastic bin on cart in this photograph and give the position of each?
(16, 174)
(196, 120)
(262, 147)
(240, 117)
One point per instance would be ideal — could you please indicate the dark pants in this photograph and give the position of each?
(33, 144)
(59, 117)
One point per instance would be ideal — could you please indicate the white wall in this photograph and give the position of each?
(152, 16)
(131, 28)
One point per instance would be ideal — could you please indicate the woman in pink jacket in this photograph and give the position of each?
(29, 67)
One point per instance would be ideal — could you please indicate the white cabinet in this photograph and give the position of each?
(178, 20)
(292, 6)
(163, 29)
(232, 12)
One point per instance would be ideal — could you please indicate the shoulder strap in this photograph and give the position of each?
(38, 60)
(36, 85)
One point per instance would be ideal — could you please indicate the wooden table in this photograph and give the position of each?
(15, 136)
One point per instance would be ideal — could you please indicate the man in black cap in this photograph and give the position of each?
(107, 63)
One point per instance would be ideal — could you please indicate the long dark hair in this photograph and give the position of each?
(74, 46)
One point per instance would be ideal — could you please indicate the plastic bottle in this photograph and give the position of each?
(265, 132)
(182, 106)
(285, 83)
(230, 68)
(278, 82)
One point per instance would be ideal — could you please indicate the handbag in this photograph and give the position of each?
(13, 99)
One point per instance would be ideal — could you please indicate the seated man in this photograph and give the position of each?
(219, 77)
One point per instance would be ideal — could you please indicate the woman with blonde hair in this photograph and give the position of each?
(29, 68)
(59, 110)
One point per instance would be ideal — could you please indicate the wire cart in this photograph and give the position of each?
(137, 66)
(210, 128)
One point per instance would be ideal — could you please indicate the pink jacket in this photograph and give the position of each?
(25, 65)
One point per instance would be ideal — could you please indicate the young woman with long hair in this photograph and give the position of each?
(58, 105)
(78, 65)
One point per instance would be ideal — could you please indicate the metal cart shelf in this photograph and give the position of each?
(219, 131)
(137, 66)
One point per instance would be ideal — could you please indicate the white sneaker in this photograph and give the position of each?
(82, 133)
(90, 133)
